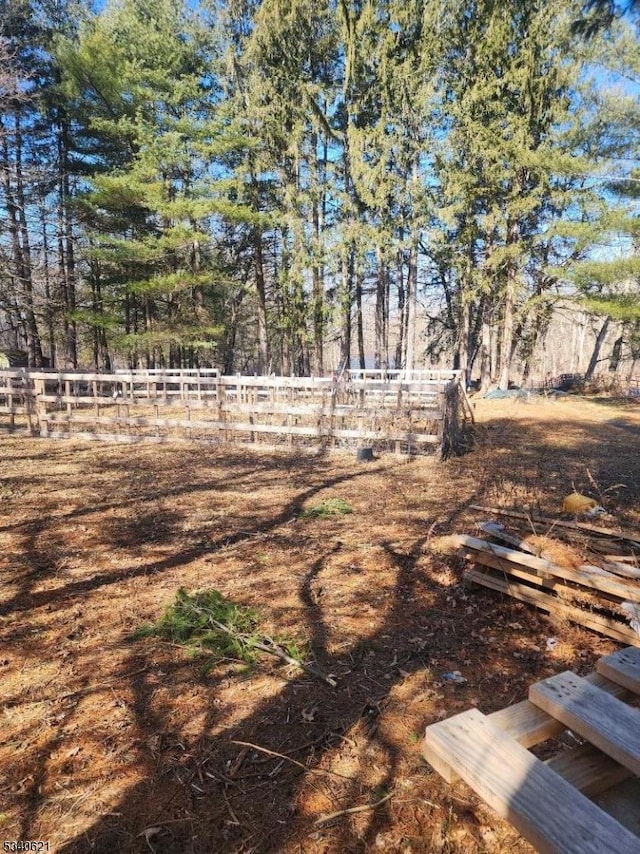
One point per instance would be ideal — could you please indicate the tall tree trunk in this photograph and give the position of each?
(411, 307)
(260, 280)
(317, 267)
(595, 355)
(412, 276)
(347, 302)
(616, 355)
(49, 313)
(402, 307)
(104, 359)
(382, 314)
(66, 250)
(509, 306)
(464, 334)
(12, 181)
(360, 320)
(35, 346)
(485, 345)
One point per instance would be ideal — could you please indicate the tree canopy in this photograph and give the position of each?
(287, 187)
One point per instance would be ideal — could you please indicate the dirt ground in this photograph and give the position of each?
(110, 744)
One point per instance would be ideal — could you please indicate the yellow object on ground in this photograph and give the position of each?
(578, 504)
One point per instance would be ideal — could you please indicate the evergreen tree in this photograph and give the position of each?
(606, 263)
(153, 213)
(506, 167)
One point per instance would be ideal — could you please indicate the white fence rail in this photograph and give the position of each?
(400, 413)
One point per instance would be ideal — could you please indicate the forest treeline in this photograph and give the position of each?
(287, 185)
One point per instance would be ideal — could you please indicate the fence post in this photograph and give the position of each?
(41, 407)
(9, 394)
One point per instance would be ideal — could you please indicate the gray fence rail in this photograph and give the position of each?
(382, 410)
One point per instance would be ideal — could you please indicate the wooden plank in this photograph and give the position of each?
(604, 625)
(526, 723)
(15, 431)
(14, 409)
(495, 530)
(558, 586)
(313, 410)
(547, 810)
(623, 569)
(530, 725)
(124, 421)
(593, 577)
(631, 536)
(240, 426)
(606, 722)
(588, 769)
(622, 667)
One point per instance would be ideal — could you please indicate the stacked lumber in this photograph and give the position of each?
(582, 800)
(593, 581)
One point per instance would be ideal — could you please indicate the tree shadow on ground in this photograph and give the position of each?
(312, 749)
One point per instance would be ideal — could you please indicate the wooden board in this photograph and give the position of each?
(630, 536)
(604, 721)
(568, 591)
(546, 809)
(622, 667)
(326, 433)
(618, 630)
(588, 769)
(497, 531)
(530, 725)
(587, 576)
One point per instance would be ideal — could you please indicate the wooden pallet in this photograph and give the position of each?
(584, 800)
(591, 596)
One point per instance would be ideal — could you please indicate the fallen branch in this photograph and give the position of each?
(234, 817)
(288, 759)
(270, 647)
(325, 818)
(273, 649)
(271, 753)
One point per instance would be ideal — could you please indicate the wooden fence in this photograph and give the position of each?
(384, 412)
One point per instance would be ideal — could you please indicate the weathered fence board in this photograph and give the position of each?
(385, 411)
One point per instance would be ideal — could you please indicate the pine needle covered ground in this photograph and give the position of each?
(120, 743)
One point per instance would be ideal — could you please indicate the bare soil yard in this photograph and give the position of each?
(109, 744)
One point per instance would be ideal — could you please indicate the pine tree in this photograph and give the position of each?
(506, 167)
(288, 80)
(153, 211)
(606, 265)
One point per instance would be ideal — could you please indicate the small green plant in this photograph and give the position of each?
(207, 622)
(294, 649)
(328, 508)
